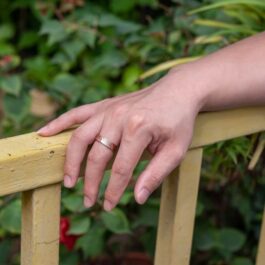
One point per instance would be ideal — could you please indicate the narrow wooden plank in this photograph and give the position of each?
(29, 161)
(224, 125)
(40, 226)
(177, 212)
(261, 249)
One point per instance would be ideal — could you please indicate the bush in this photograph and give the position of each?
(55, 55)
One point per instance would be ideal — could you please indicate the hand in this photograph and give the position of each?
(159, 118)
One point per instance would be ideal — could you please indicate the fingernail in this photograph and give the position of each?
(107, 205)
(67, 181)
(87, 202)
(143, 195)
(42, 130)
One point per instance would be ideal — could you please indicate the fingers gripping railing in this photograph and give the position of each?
(34, 165)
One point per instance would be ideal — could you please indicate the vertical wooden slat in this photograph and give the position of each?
(177, 212)
(40, 226)
(261, 249)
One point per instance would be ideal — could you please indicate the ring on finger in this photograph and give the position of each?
(106, 142)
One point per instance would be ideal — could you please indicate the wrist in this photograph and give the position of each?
(198, 81)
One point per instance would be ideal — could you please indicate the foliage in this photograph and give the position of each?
(77, 52)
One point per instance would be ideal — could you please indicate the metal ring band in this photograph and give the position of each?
(104, 141)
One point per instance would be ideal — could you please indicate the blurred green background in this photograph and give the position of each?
(55, 55)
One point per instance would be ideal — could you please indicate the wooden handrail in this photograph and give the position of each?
(29, 161)
(33, 165)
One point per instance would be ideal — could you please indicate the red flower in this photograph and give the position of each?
(65, 238)
(7, 58)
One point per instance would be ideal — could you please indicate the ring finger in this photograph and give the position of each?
(97, 160)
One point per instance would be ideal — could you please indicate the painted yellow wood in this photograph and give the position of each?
(29, 161)
(258, 152)
(261, 249)
(177, 212)
(224, 125)
(40, 226)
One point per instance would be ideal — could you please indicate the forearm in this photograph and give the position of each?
(232, 77)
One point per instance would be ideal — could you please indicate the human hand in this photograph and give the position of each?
(159, 118)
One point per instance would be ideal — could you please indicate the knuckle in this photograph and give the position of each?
(119, 109)
(155, 180)
(71, 114)
(93, 158)
(179, 154)
(71, 168)
(89, 191)
(135, 123)
(120, 170)
(111, 195)
(78, 136)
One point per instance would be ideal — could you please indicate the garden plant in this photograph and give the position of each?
(55, 55)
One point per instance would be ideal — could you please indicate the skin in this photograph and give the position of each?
(159, 118)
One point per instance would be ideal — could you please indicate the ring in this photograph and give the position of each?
(104, 141)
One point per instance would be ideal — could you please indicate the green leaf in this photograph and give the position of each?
(39, 69)
(116, 221)
(79, 225)
(148, 216)
(131, 75)
(205, 239)
(242, 261)
(218, 4)
(68, 258)
(6, 49)
(230, 239)
(88, 36)
(11, 84)
(232, 155)
(151, 3)
(148, 239)
(73, 48)
(199, 208)
(92, 243)
(111, 59)
(69, 85)
(5, 249)
(93, 94)
(6, 31)
(118, 6)
(17, 108)
(55, 30)
(126, 198)
(28, 39)
(10, 217)
(73, 203)
(123, 27)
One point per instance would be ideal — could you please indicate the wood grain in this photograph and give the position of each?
(29, 161)
(177, 212)
(40, 226)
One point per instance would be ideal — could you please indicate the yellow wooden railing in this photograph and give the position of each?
(33, 165)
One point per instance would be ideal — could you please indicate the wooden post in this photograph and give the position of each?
(261, 249)
(177, 212)
(40, 226)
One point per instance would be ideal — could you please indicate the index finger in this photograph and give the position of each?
(68, 119)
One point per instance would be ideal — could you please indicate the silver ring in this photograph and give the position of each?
(104, 141)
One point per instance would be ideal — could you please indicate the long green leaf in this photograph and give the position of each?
(259, 3)
(167, 65)
(223, 25)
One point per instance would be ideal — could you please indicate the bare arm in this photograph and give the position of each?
(159, 118)
(236, 75)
